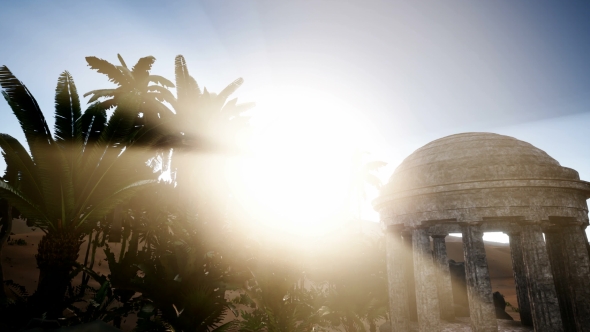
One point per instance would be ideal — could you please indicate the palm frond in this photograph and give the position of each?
(229, 326)
(53, 173)
(20, 202)
(121, 60)
(230, 89)
(93, 122)
(107, 68)
(67, 110)
(230, 104)
(166, 94)
(142, 68)
(184, 85)
(19, 160)
(97, 94)
(161, 80)
(108, 146)
(193, 89)
(230, 110)
(127, 73)
(117, 197)
(108, 104)
(163, 94)
(24, 106)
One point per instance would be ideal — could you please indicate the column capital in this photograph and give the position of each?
(512, 228)
(474, 227)
(438, 236)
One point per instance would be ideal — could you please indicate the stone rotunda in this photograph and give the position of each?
(481, 182)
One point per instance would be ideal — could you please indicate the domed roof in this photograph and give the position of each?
(475, 157)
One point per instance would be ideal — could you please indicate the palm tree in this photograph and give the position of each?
(205, 128)
(71, 179)
(138, 81)
(207, 120)
(151, 91)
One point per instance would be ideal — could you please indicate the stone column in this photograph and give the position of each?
(479, 287)
(578, 267)
(519, 270)
(410, 282)
(396, 281)
(554, 244)
(424, 273)
(586, 237)
(444, 286)
(542, 294)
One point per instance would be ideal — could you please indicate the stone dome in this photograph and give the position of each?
(476, 175)
(470, 157)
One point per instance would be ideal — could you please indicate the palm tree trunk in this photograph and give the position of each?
(5, 230)
(86, 258)
(56, 255)
(94, 243)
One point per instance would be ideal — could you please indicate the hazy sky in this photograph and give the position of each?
(413, 70)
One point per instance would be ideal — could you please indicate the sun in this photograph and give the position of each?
(297, 176)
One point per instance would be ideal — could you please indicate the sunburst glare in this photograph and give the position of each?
(298, 175)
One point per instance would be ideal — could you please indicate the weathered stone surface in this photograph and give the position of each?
(463, 325)
(410, 282)
(479, 286)
(554, 243)
(396, 277)
(578, 268)
(444, 286)
(472, 176)
(543, 297)
(522, 293)
(425, 276)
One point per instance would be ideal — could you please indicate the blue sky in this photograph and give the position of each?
(415, 71)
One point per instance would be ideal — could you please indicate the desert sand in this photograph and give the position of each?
(20, 266)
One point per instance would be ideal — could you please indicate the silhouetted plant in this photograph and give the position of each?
(182, 285)
(277, 299)
(353, 266)
(137, 81)
(65, 182)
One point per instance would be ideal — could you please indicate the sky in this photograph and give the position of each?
(327, 76)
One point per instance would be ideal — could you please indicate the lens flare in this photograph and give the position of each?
(297, 176)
